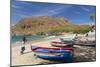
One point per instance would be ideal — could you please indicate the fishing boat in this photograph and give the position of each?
(85, 43)
(33, 48)
(68, 40)
(61, 44)
(53, 53)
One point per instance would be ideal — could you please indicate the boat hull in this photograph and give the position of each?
(64, 57)
(34, 48)
(66, 40)
(61, 44)
(85, 43)
(53, 54)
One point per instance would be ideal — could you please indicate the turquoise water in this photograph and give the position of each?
(29, 38)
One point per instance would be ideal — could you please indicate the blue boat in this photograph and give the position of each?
(53, 54)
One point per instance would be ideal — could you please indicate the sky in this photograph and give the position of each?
(77, 14)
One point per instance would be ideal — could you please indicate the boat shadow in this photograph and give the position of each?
(60, 60)
(27, 52)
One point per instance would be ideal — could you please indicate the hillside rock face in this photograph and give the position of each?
(33, 25)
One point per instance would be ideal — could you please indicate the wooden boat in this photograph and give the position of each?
(61, 44)
(85, 43)
(66, 40)
(52, 53)
(33, 48)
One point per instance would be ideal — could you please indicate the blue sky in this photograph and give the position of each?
(77, 14)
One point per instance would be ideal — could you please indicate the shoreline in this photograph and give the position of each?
(35, 41)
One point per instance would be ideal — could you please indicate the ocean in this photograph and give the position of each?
(18, 38)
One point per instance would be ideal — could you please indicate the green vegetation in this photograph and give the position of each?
(40, 33)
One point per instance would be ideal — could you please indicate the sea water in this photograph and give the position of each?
(18, 38)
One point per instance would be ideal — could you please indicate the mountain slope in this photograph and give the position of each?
(34, 25)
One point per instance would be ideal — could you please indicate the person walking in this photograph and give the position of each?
(24, 40)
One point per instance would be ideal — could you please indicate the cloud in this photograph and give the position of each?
(85, 9)
(51, 12)
(15, 6)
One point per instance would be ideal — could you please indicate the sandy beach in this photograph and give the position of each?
(28, 58)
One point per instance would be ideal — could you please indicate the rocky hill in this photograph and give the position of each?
(46, 24)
